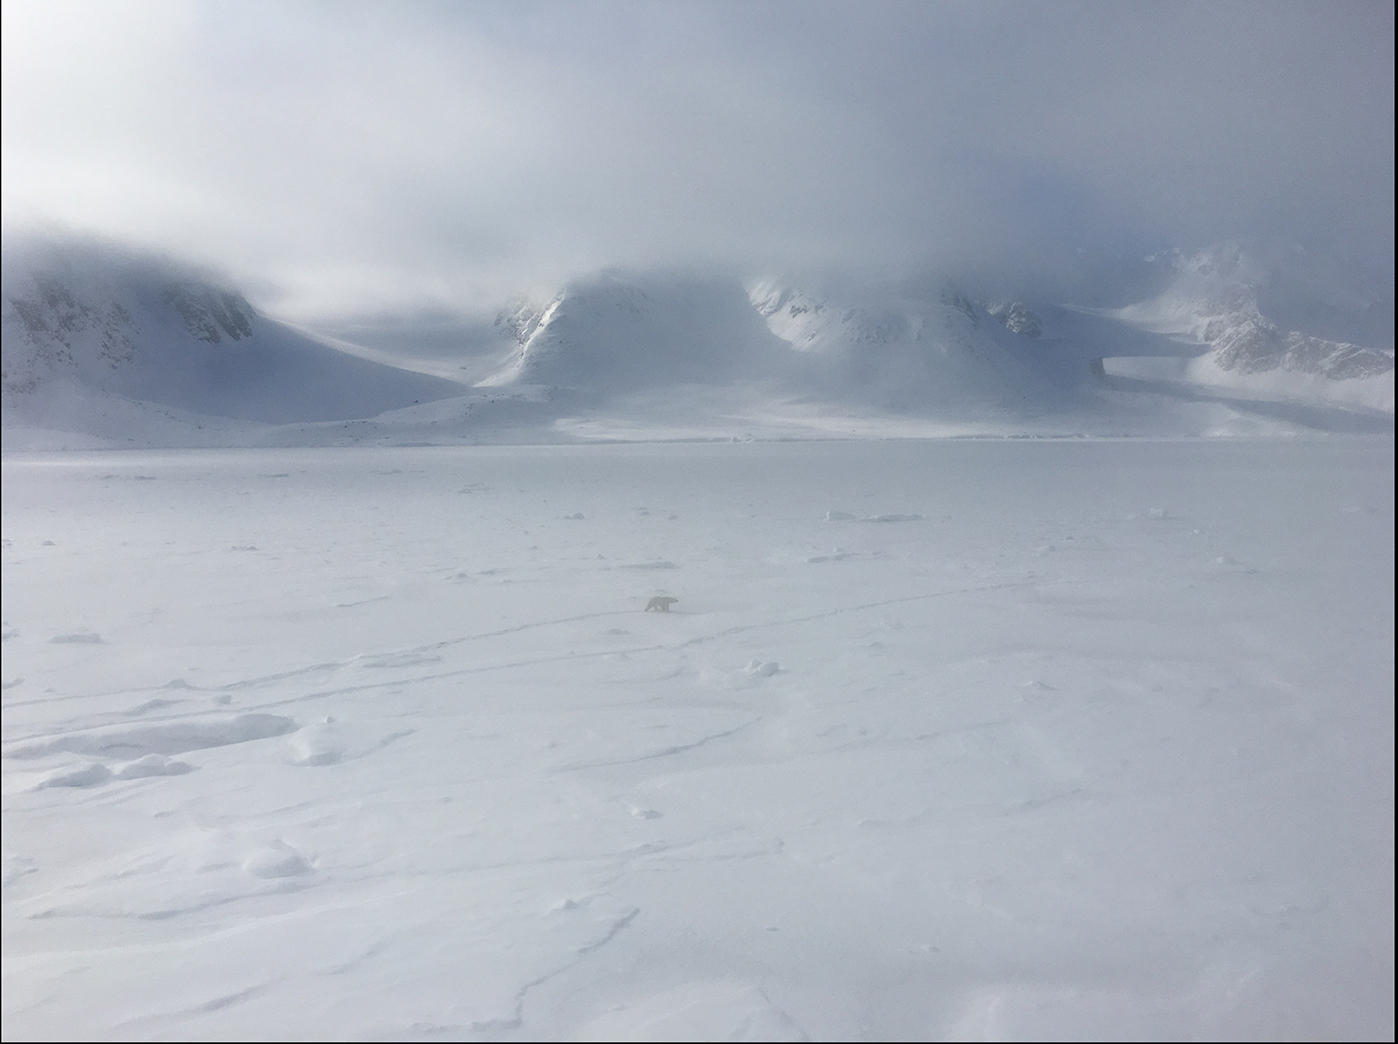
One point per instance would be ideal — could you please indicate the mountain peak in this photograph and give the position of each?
(147, 328)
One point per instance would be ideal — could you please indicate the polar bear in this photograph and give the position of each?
(660, 603)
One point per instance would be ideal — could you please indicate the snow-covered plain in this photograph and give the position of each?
(967, 739)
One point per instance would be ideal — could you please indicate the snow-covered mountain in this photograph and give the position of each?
(82, 320)
(924, 346)
(616, 331)
(905, 349)
(133, 349)
(1269, 317)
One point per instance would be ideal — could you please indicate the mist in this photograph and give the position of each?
(345, 159)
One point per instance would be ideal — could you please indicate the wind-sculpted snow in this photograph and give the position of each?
(948, 739)
(165, 738)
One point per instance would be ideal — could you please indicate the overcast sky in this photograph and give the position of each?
(344, 156)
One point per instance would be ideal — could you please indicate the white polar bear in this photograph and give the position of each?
(660, 603)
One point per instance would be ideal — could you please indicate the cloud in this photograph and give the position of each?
(349, 156)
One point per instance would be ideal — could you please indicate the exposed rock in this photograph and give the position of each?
(1018, 319)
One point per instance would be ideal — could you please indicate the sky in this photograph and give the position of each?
(345, 158)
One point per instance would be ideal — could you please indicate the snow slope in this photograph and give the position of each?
(962, 740)
(1258, 314)
(931, 348)
(84, 322)
(110, 349)
(617, 331)
(925, 348)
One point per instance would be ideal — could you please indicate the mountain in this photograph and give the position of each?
(924, 345)
(133, 349)
(905, 349)
(1262, 311)
(618, 331)
(83, 319)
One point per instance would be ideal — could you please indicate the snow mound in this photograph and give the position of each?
(163, 738)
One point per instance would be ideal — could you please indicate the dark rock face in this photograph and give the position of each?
(1019, 319)
(1251, 344)
(210, 314)
(50, 319)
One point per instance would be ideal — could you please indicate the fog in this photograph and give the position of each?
(343, 159)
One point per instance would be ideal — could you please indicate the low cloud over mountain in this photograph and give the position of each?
(79, 316)
(99, 339)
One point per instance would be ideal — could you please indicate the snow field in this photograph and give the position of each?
(941, 740)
